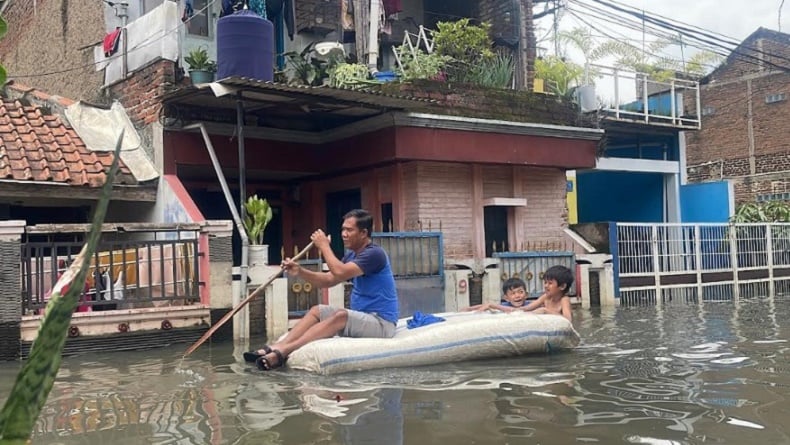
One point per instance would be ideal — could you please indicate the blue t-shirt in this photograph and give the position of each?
(374, 290)
(505, 303)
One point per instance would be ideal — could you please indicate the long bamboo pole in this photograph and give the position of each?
(243, 303)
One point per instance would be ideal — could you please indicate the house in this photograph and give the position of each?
(745, 140)
(484, 168)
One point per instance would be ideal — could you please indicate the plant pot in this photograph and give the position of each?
(200, 76)
(257, 259)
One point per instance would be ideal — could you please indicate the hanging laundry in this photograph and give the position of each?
(189, 11)
(258, 7)
(347, 14)
(111, 42)
(392, 7)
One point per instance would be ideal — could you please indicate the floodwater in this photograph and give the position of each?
(684, 374)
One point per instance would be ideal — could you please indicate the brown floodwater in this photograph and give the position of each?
(684, 374)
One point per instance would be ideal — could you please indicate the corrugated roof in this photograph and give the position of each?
(38, 147)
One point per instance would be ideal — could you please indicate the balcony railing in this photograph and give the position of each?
(629, 96)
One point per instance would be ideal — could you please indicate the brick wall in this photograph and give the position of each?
(547, 214)
(48, 36)
(444, 195)
(141, 94)
(723, 149)
(497, 181)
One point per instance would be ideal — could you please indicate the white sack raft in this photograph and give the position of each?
(463, 336)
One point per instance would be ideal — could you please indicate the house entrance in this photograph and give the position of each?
(337, 205)
(495, 227)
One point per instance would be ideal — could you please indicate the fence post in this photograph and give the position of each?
(736, 289)
(11, 291)
(769, 252)
(613, 248)
(656, 263)
(698, 261)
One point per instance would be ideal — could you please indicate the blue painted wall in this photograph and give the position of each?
(707, 202)
(620, 196)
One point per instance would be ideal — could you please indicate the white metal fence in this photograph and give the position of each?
(664, 263)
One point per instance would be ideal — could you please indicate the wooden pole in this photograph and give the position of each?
(244, 302)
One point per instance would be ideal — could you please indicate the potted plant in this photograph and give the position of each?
(258, 214)
(201, 67)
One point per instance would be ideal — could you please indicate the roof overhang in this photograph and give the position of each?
(319, 115)
(12, 190)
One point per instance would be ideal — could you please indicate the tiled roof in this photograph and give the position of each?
(38, 147)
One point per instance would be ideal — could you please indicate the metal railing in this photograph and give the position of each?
(626, 95)
(660, 263)
(135, 267)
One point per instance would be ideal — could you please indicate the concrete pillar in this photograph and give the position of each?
(608, 298)
(11, 291)
(276, 308)
(492, 286)
(584, 281)
(456, 290)
(218, 274)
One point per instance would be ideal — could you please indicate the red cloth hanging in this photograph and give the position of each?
(392, 7)
(111, 42)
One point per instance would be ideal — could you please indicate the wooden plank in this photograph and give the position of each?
(76, 193)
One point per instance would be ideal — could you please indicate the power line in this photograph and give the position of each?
(706, 39)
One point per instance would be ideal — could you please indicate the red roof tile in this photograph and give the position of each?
(38, 147)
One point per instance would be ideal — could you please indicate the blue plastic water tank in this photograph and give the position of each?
(245, 46)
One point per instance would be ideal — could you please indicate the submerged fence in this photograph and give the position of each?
(662, 263)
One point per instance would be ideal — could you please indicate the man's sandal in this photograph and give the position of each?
(264, 364)
(252, 356)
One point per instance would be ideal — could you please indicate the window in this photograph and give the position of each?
(198, 24)
(773, 98)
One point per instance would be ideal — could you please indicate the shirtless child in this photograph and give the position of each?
(557, 281)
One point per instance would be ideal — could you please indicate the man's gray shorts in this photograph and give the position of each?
(360, 324)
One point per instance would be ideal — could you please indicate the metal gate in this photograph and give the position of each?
(417, 261)
(530, 267)
(693, 263)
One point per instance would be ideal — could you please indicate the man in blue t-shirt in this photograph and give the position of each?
(374, 300)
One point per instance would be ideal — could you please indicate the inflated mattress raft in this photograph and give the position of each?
(462, 336)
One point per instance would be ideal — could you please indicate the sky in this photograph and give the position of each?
(732, 18)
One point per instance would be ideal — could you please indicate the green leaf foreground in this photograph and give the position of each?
(35, 379)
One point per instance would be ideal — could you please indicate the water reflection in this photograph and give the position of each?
(681, 374)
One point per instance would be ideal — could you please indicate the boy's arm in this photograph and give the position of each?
(534, 304)
(566, 308)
